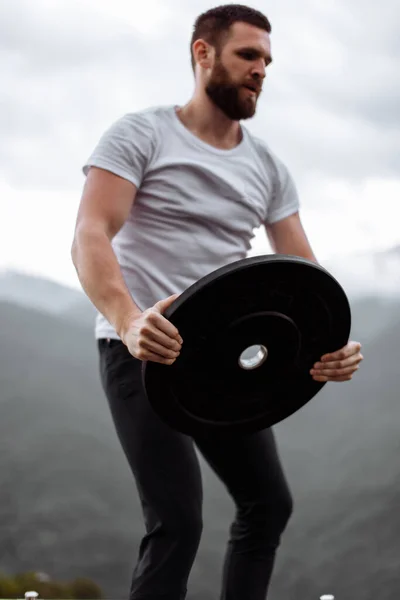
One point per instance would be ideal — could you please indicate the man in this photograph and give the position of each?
(173, 193)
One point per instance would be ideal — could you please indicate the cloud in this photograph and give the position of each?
(69, 68)
(330, 109)
(348, 59)
(331, 103)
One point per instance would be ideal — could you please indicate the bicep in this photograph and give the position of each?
(105, 203)
(288, 236)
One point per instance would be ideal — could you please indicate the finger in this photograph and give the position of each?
(150, 345)
(334, 372)
(332, 379)
(161, 338)
(144, 354)
(348, 350)
(159, 322)
(162, 305)
(340, 364)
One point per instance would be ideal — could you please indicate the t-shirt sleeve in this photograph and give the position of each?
(285, 199)
(124, 149)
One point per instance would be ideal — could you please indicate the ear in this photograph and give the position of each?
(203, 54)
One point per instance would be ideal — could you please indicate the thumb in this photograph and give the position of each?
(162, 305)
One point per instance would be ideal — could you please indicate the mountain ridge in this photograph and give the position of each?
(71, 507)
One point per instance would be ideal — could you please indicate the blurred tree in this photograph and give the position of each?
(85, 589)
(47, 589)
(8, 588)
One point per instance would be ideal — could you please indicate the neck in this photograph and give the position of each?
(209, 123)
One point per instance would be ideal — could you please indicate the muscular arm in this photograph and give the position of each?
(104, 207)
(288, 237)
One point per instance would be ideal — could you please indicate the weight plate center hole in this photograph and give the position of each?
(253, 357)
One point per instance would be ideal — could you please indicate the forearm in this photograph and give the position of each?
(288, 237)
(295, 247)
(100, 276)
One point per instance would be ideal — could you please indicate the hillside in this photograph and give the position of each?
(70, 507)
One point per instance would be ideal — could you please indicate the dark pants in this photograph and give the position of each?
(168, 479)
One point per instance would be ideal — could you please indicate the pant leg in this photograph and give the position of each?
(250, 468)
(167, 475)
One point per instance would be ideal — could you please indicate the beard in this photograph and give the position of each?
(226, 95)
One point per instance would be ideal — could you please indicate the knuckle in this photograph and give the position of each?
(173, 344)
(167, 346)
(142, 326)
(151, 316)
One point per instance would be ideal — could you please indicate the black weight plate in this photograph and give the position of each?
(289, 305)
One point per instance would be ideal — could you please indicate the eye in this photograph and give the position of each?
(247, 55)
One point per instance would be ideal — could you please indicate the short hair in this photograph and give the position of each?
(214, 24)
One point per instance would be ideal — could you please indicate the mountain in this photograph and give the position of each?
(363, 276)
(69, 505)
(45, 295)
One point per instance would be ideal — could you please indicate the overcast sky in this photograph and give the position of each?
(330, 110)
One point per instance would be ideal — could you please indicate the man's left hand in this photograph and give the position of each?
(340, 365)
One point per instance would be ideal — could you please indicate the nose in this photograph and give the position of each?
(259, 70)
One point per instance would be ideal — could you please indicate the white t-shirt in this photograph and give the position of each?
(196, 207)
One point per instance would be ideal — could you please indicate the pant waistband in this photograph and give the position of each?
(108, 342)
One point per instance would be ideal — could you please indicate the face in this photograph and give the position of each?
(236, 77)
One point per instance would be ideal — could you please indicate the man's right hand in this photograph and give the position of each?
(152, 337)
